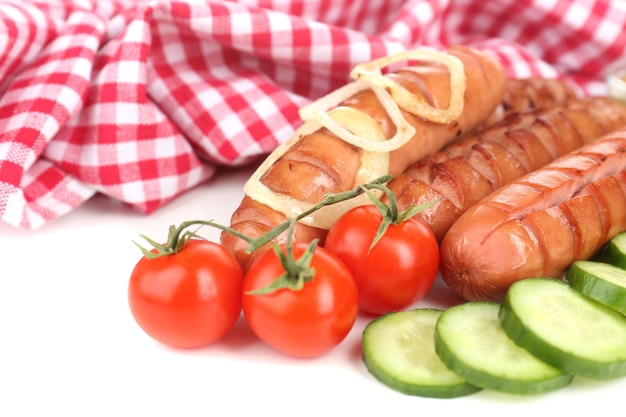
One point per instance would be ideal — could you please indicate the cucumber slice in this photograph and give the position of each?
(565, 328)
(603, 282)
(471, 342)
(399, 351)
(615, 251)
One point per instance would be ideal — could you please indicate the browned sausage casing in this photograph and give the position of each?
(528, 94)
(471, 168)
(321, 163)
(539, 224)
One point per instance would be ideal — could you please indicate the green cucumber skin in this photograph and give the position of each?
(485, 381)
(421, 391)
(553, 355)
(613, 254)
(529, 388)
(598, 289)
(432, 391)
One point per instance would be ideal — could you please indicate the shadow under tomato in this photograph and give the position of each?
(240, 336)
(356, 352)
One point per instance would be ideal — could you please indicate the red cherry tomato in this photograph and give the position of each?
(188, 299)
(399, 270)
(303, 323)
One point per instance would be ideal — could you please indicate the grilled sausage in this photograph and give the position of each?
(320, 163)
(539, 224)
(471, 168)
(528, 94)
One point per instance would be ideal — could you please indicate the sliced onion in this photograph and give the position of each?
(412, 103)
(373, 165)
(254, 188)
(318, 111)
(361, 130)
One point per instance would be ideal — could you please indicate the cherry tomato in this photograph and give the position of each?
(307, 322)
(187, 299)
(398, 271)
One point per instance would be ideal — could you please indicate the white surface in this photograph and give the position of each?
(69, 346)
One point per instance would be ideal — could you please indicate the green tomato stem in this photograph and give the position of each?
(389, 211)
(178, 236)
(328, 200)
(297, 271)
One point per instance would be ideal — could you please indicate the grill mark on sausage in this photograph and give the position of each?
(459, 172)
(540, 223)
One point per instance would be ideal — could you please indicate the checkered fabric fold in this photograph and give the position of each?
(143, 100)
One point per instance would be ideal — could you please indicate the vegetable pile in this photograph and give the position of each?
(303, 300)
(544, 333)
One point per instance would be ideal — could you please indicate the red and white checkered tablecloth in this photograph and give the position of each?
(143, 100)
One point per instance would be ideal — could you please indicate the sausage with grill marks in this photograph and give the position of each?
(534, 93)
(539, 224)
(470, 169)
(321, 163)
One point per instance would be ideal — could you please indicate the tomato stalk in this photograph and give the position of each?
(174, 244)
(178, 236)
(389, 211)
(297, 271)
(328, 200)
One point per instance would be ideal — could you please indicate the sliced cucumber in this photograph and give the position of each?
(615, 251)
(471, 342)
(565, 328)
(603, 282)
(399, 351)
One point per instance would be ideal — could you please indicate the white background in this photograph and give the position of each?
(69, 346)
